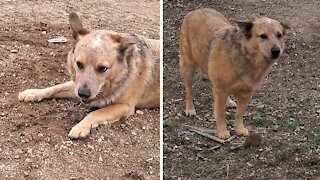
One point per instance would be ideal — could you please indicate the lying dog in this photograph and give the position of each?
(113, 71)
(236, 60)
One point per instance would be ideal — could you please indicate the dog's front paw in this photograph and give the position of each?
(31, 95)
(79, 131)
(242, 131)
(223, 134)
(190, 112)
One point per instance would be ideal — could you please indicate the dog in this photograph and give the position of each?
(115, 72)
(236, 59)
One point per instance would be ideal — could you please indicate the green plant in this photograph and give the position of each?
(288, 125)
(260, 121)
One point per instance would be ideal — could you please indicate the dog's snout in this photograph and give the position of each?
(84, 92)
(275, 51)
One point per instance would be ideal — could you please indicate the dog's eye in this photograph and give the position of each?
(279, 35)
(102, 69)
(263, 36)
(80, 65)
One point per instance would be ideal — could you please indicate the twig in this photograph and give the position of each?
(215, 147)
(205, 130)
(198, 131)
(228, 168)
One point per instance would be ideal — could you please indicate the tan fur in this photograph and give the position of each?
(236, 60)
(131, 79)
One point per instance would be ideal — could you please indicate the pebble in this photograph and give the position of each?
(71, 153)
(90, 146)
(14, 51)
(139, 112)
(28, 160)
(100, 159)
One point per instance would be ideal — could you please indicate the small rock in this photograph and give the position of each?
(14, 51)
(71, 153)
(100, 159)
(58, 40)
(139, 112)
(90, 146)
(25, 173)
(44, 32)
(16, 156)
(28, 160)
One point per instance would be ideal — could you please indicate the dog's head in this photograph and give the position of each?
(265, 36)
(99, 61)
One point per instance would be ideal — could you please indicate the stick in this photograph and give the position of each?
(204, 130)
(196, 130)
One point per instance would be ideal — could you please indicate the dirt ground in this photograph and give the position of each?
(33, 136)
(286, 111)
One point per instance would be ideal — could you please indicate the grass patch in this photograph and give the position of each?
(240, 155)
(168, 124)
(288, 126)
(260, 121)
(315, 136)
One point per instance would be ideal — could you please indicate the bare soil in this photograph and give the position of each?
(286, 111)
(33, 136)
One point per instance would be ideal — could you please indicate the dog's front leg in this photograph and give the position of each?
(220, 102)
(108, 114)
(242, 102)
(64, 90)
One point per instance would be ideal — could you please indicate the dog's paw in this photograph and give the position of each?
(190, 112)
(231, 103)
(31, 95)
(242, 131)
(225, 134)
(79, 131)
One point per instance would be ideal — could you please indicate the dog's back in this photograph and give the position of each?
(197, 31)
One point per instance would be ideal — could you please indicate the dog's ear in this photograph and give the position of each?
(285, 27)
(77, 28)
(246, 27)
(126, 47)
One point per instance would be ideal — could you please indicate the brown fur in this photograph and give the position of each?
(120, 71)
(236, 60)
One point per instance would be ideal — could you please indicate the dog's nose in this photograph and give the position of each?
(84, 92)
(275, 51)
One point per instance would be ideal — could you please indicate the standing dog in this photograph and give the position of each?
(113, 71)
(236, 60)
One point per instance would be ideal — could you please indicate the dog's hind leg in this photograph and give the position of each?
(187, 69)
(231, 103)
(64, 90)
